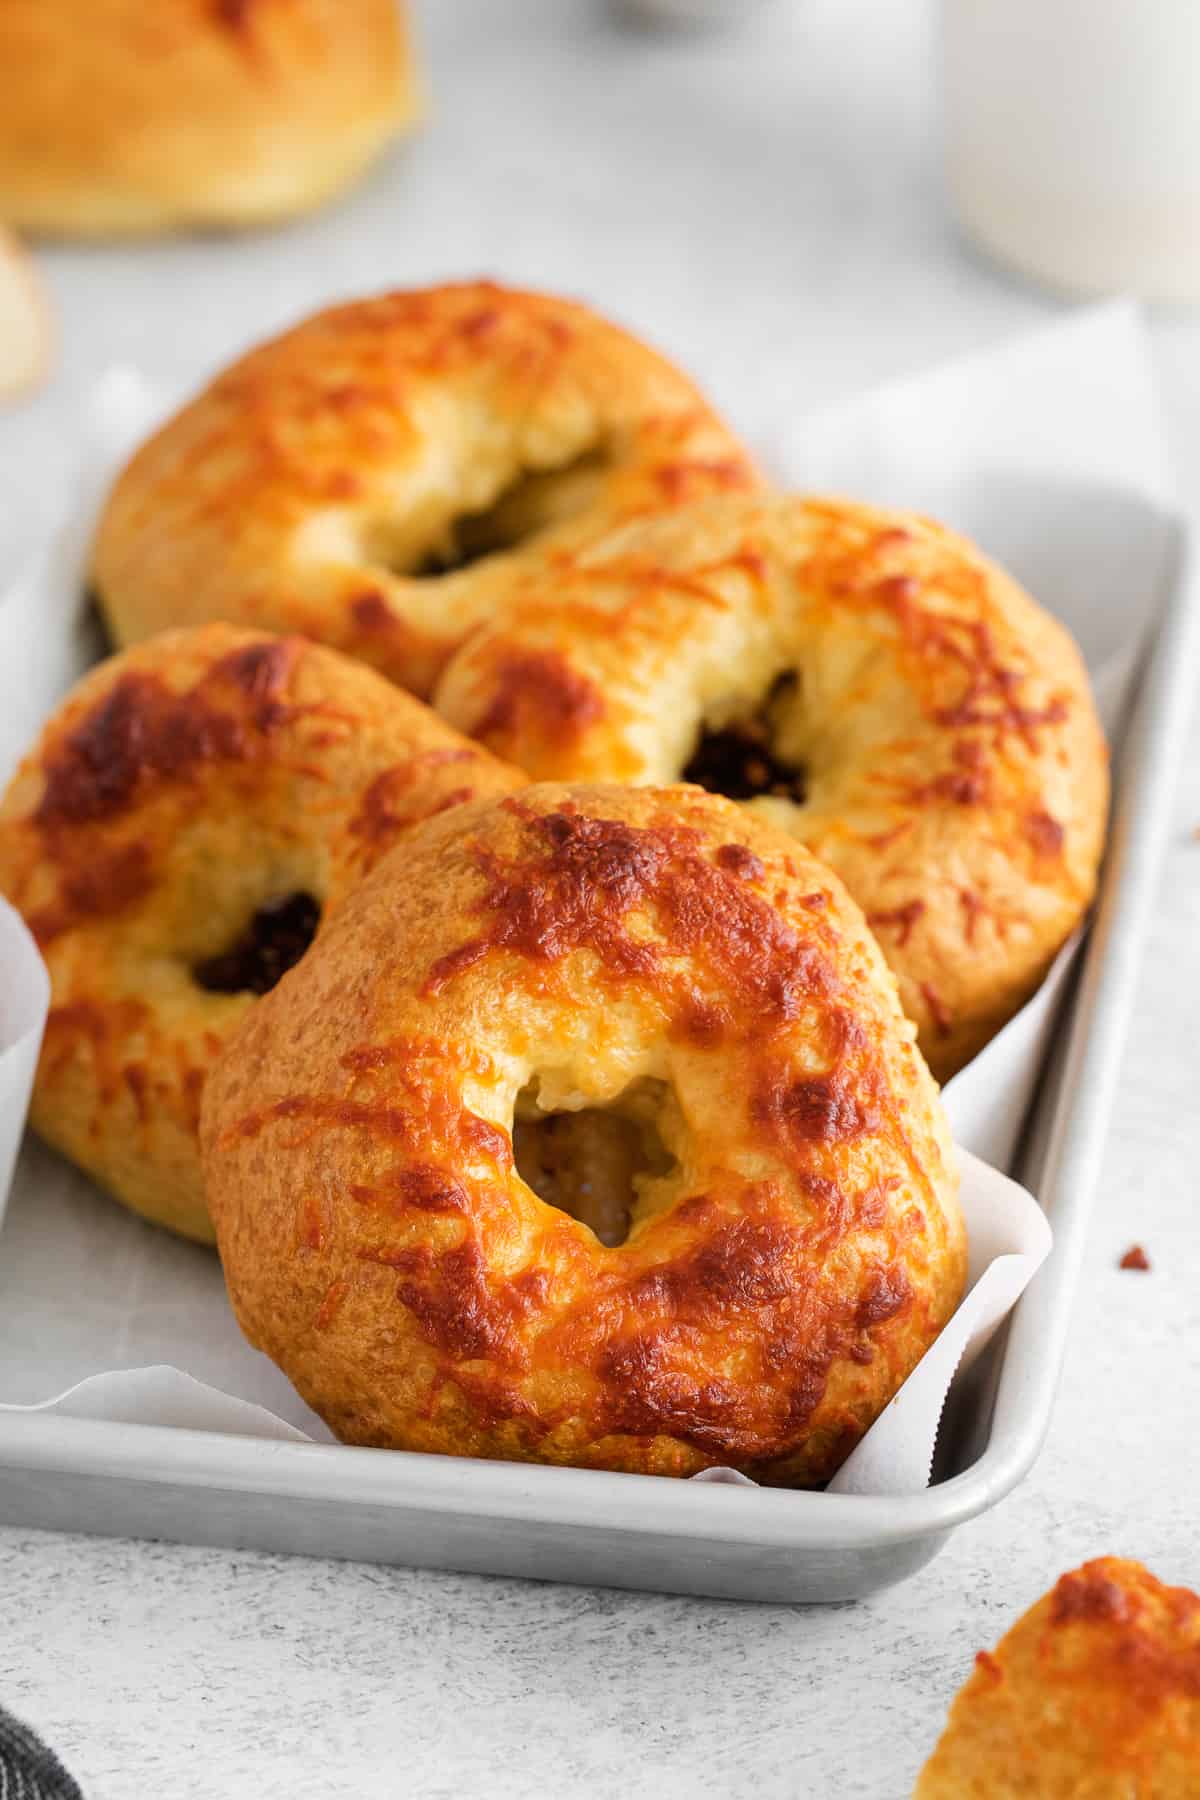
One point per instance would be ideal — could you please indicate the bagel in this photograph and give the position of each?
(866, 680)
(119, 118)
(1095, 1692)
(380, 476)
(591, 1132)
(27, 331)
(188, 814)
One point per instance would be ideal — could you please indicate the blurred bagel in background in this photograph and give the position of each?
(119, 118)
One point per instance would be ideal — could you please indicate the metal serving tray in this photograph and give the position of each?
(687, 1537)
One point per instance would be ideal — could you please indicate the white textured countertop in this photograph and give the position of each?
(761, 200)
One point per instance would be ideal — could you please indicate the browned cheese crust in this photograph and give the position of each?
(1094, 1693)
(180, 794)
(929, 730)
(518, 967)
(120, 117)
(381, 476)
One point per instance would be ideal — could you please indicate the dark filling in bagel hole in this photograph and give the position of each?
(739, 759)
(591, 1163)
(535, 501)
(273, 942)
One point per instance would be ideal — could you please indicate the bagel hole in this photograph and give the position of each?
(273, 942)
(740, 757)
(594, 1161)
(535, 501)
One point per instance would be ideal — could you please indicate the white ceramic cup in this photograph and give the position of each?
(1072, 139)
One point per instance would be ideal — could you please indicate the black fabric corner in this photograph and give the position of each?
(29, 1769)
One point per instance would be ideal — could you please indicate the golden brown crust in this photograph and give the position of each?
(118, 117)
(956, 773)
(179, 789)
(307, 488)
(26, 327)
(1094, 1692)
(793, 1251)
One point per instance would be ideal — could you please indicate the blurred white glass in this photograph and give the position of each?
(1072, 139)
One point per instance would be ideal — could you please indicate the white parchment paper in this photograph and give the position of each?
(1048, 452)
(24, 1001)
